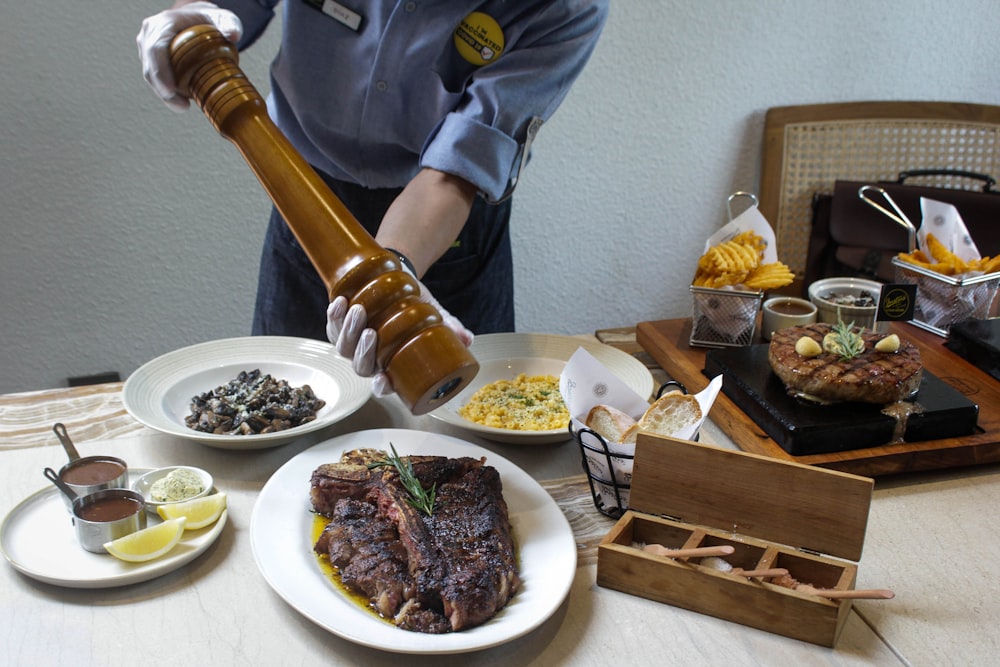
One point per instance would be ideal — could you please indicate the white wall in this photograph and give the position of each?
(130, 231)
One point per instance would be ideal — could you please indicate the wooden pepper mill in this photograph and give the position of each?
(425, 360)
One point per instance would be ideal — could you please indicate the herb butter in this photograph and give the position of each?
(176, 485)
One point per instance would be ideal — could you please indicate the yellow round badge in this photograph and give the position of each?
(479, 38)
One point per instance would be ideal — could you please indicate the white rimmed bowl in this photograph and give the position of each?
(158, 394)
(503, 356)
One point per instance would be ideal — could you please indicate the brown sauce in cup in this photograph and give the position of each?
(790, 308)
(88, 473)
(109, 509)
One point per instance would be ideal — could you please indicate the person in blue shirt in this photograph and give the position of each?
(419, 115)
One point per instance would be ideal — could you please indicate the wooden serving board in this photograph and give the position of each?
(667, 342)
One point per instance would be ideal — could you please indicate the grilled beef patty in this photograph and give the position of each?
(871, 377)
(449, 571)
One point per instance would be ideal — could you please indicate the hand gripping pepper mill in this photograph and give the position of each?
(424, 359)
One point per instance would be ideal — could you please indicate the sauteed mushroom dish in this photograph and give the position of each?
(253, 403)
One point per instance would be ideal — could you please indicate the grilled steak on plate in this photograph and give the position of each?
(449, 571)
(870, 377)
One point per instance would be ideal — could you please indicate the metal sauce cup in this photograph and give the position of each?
(107, 515)
(91, 474)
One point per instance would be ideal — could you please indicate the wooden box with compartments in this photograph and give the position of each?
(770, 544)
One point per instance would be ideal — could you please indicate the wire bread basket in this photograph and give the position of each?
(608, 466)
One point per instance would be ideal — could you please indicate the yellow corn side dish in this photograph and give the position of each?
(526, 403)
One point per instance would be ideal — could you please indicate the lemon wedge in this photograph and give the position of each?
(199, 512)
(148, 543)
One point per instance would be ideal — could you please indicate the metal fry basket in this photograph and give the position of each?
(723, 317)
(946, 300)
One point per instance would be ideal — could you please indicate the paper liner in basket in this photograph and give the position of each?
(734, 318)
(943, 220)
(584, 383)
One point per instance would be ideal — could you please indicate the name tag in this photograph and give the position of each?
(337, 12)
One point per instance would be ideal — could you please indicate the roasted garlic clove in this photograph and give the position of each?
(807, 347)
(888, 344)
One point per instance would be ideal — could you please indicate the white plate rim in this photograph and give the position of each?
(545, 541)
(157, 375)
(546, 346)
(114, 572)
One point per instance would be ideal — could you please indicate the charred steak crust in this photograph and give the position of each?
(453, 570)
(871, 377)
(365, 548)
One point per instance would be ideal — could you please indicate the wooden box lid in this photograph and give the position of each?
(799, 506)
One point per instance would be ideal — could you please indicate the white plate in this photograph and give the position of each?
(503, 356)
(159, 392)
(39, 540)
(281, 537)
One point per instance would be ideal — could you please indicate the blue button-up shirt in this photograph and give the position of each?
(375, 105)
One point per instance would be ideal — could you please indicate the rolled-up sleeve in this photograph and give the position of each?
(484, 138)
(482, 155)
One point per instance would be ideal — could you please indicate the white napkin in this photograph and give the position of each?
(943, 220)
(731, 316)
(586, 382)
(750, 219)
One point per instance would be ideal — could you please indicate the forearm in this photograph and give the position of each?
(427, 216)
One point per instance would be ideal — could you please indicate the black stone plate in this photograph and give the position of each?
(978, 342)
(801, 427)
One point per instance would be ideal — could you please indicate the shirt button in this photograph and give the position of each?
(410, 6)
(382, 86)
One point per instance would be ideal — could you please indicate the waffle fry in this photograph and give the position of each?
(738, 262)
(720, 280)
(769, 276)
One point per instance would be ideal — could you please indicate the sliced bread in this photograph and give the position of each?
(609, 422)
(670, 413)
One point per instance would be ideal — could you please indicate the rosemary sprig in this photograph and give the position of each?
(843, 340)
(422, 499)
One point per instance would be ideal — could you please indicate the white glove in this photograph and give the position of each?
(155, 36)
(347, 329)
